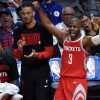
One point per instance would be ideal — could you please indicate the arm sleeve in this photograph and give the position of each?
(47, 53)
(48, 45)
(17, 53)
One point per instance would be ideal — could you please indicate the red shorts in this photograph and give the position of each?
(71, 89)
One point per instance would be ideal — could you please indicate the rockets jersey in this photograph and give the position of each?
(4, 76)
(74, 57)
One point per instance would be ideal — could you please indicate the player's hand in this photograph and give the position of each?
(36, 5)
(21, 43)
(32, 54)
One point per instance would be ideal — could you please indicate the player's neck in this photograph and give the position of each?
(31, 24)
(76, 38)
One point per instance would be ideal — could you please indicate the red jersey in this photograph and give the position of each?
(4, 76)
(74, 57)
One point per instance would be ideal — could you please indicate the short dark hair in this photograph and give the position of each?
(26, 4)
(84, 14)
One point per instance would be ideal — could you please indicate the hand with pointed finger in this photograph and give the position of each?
(21, 43)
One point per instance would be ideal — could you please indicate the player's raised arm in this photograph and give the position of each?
(48, 24)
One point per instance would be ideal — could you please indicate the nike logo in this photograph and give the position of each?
(46, 86)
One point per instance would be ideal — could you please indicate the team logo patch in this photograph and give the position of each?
(56, 13)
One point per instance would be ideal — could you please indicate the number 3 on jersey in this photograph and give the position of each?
(70, 59)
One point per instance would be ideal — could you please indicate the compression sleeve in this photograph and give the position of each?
(96, 39)
(47, 53)
(17, 53)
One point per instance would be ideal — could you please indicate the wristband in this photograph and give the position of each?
(96, 39)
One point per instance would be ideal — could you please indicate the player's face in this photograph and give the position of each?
(74, 30)
(27, 14)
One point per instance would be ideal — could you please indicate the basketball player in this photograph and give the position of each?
(73, 84)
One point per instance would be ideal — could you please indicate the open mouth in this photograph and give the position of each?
(86, 27)
(5, 21)
(72, 32)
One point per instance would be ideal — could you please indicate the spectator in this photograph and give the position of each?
(73, 83)
(8, 76)
(85, 6)
(52, 10)
(67, 14)
(35, 72)
(14, 7)
(88, 26)
(8, 25)
(7, 28)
